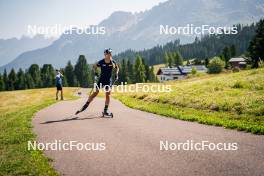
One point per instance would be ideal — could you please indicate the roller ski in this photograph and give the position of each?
(107, 114)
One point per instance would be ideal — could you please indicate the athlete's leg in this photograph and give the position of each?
(90, 99)
(107, 100)
(61, 94)
(57, 94)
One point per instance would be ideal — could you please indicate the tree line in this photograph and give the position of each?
(202, 48)
(79, 75)
(135, 66)
(254, 52)
(173, 59)
(139, 72)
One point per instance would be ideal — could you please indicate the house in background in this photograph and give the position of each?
(167, 74)
(178, 73)
(238, 62)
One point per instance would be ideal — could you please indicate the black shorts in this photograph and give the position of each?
(104, 84)
(59, 87)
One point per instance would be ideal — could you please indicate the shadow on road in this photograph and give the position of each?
(70, 119)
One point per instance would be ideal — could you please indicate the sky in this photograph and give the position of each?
(16, 15)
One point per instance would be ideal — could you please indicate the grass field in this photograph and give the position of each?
(232, 100)
(16, 111)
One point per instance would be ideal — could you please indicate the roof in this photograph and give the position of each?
(237, 59)
(169, 71)
(188, 68)
(181, 70)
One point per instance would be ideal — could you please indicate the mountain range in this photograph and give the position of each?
(138, 31)
(13, 47)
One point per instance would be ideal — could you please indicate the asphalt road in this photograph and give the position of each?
(129, 144)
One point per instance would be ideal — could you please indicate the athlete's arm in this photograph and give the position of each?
(117, 70)
(95, 66)
(61, 74)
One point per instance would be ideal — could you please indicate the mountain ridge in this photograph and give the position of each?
(138, 31)
(13, 47)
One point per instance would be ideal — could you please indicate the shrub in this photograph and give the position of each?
(194, 70)
(238, 85)
(236, 69)
(216, 65)
(261, 64)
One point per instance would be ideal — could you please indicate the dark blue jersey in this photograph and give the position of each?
(106, 70)
(58, 80)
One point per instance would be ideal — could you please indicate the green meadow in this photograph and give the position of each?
(16, 111)
(231, 100)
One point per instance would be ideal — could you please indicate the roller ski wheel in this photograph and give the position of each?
(107, 114)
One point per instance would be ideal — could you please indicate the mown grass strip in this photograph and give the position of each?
(16, 131)
(227, 120)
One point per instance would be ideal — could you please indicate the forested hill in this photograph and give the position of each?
(206, 47)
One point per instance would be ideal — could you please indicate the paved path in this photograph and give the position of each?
(132, 140)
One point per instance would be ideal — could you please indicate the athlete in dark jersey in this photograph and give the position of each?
(107, 65)
(106, 72)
